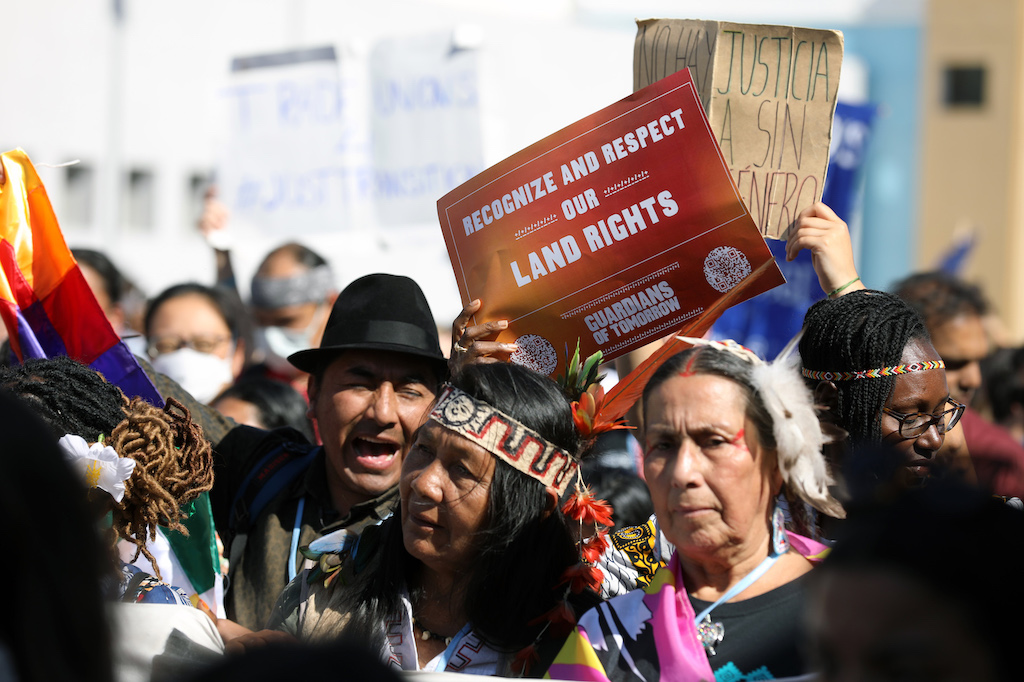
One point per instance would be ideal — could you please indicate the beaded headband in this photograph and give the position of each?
(504, 437)
(874, 373)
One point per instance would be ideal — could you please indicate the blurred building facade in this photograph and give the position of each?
(972, 159)
(129, 88)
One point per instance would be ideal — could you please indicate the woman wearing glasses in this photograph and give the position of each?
(869, 357)
(193, 335)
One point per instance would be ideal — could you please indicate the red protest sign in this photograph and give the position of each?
(614, 231)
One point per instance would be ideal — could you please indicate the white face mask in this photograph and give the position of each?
(277, 343)
(201, 374)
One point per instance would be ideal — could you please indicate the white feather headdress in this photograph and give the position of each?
(798, 433)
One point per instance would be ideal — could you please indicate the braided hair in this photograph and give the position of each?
(174, 465)
(70, 397)
(174, 461)
(862, 330)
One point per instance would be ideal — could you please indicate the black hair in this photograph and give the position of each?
(303, 255)
(1003, 379)
(939, 297)
(626, 492)
(709, 360)
(277, 403)
(173, 460)
(225, 302)
(935, 536)
(113, 281)
(69, 396)
(526, 546)
(54, 627)
(862, 330)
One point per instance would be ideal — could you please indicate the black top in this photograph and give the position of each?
(762, 634)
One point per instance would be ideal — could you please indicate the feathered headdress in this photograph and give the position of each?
(798, 432)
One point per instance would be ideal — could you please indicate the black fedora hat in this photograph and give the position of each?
(377, 312)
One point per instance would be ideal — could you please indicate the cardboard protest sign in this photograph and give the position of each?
(614, 231)
(769, 93)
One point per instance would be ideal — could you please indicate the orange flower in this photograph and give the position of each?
(586, 413)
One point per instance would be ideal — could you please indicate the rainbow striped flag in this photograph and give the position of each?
(49, 310)
(45, 302)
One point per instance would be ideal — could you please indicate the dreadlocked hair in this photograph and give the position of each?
(174, 465)
(69, 396)
(862, 330)
(174, 462)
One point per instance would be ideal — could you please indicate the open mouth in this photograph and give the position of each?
(374, 453)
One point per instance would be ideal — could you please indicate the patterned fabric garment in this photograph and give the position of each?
(466, 653)
(149, 589)
(636, 553)
(341, 551)
(649, 634)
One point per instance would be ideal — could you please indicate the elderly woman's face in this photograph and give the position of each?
(711, 481)
(923, 392)
(445, 488)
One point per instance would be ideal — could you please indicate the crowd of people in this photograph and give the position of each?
(369, 503)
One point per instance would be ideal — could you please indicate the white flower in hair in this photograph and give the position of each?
(100, 465)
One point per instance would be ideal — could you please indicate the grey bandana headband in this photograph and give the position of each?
(311, 286)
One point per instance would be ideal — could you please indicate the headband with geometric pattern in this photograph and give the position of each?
(502, 436)
(874, 373)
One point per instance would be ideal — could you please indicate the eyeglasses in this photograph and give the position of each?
(201, 344)
(913, 425)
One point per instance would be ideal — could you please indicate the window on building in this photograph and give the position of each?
(964, 86)
(198, 183)
(79, 194)
(139, 200)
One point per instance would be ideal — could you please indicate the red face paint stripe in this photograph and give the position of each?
(688, 370)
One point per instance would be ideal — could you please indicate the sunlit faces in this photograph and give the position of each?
(309, 317)
(367, 405)
(962, 343)
(190, 341)
(711, 481)
(445, 489)
(877, 624)
(924, 392)
(192, 320)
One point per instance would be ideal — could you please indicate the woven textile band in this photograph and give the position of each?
(504, 437)
(874, 373)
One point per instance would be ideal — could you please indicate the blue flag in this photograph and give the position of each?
(766, 323)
